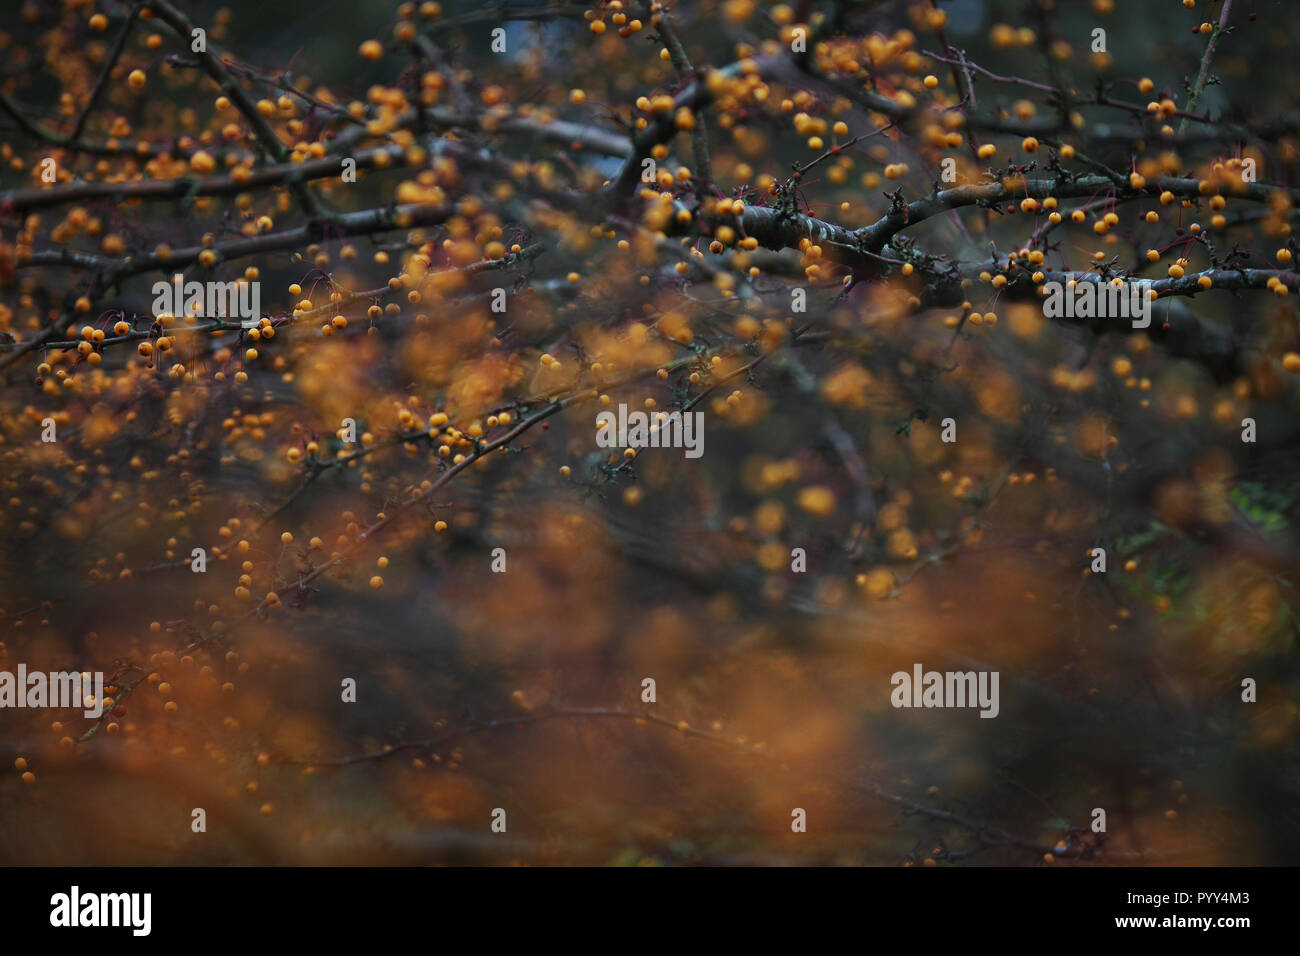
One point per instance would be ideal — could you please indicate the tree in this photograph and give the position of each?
(579, 433)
